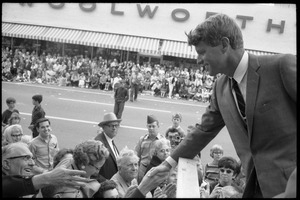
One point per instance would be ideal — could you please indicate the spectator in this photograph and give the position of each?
(110, 126)
(108, 189)
(127, 170)
(156, 88)
(37, 113)
(11, 103)
(164, 87)
(12, 134)
(108, 83)
(176, 120)
(81, 82)
(44, 146)
(95, 81)
(102, 81)
(88, 156)
(14, 119)
(145, 143)
(75, 79)
(135, 83)
(228, 169)
(121, 96)
(172, 82)
(211, 170)
(159, 152)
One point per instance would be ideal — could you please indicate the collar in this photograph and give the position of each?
(158, 136)
(109, 140)
(45, 140)
(241, 69)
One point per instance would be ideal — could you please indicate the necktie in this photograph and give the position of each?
(115, 149)
(239, 97)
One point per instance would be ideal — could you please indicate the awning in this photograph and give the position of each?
(22, 31)
(104, 40)
(132, 43)
(178, 49)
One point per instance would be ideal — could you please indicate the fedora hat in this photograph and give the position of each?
(109, 117)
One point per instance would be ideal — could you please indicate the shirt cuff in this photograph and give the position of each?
(171, 161)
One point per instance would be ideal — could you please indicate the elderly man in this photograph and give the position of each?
(128, 170)
(110, 126)
(145, 143)
(17, 179)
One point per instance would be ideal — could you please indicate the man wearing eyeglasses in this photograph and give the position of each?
(18, 179)
(110, 126)
(145, 143)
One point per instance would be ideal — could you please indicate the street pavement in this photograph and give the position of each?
(75, 112)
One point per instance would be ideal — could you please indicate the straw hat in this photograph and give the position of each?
(109, 117)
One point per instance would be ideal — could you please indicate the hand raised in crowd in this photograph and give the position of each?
(60, 176)
(168, 191)
(151, 181)
(216, 192)
(162, 168)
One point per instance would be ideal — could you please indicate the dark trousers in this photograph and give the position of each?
(134, 92)
(119, 108)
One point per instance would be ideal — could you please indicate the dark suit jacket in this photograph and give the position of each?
(269, 145)
(110, 166)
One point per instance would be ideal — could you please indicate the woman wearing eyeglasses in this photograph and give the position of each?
(88, 156)
(12, 134)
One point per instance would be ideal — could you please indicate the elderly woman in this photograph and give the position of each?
(127, 170)
(88, 156)
(12, 134)
(159, 151)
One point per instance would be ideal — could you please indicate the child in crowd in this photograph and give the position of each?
(211, 170)
(176, 120)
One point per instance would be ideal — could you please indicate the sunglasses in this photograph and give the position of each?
(228, 171)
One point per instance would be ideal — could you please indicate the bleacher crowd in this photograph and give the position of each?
(100, 73)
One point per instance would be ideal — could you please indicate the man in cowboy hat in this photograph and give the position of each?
(110, 126)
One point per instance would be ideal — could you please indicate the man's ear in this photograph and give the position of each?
(6, 164)
(225, 44)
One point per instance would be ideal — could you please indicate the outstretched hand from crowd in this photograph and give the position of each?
(60, 176)
(151, 181)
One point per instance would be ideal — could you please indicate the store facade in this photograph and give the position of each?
(140, 32)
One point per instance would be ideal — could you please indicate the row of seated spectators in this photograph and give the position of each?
(101, 73)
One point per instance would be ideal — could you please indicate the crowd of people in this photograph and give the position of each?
(165, 81)
(110, 173)
(249, 99)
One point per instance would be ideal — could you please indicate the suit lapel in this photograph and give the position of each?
(251, 90)
(108, 147)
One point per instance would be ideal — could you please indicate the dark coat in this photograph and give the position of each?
(110, 166)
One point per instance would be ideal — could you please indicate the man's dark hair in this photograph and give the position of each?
(106, 185)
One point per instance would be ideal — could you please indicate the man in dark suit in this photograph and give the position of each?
(110, 126)
(260, 116)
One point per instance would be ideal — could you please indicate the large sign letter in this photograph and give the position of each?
(114, 12)
(180, 10)
(90, 9)
(244, 18)
(281, 26)
(57, 5)
(146, 10)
